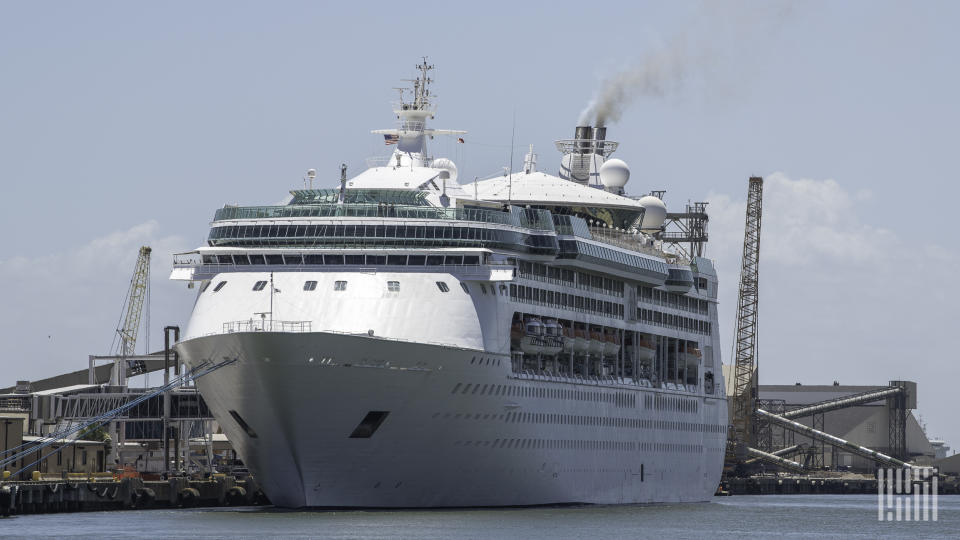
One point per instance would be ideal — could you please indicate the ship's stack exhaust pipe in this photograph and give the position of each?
(584, 136)
(599, 135)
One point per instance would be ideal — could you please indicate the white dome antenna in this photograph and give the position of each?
(311, 174)
(614, 174)
(655, 213)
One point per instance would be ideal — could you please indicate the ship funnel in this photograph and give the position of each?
(599, 135)
(583, 132)
(584, 155)
(583, 135)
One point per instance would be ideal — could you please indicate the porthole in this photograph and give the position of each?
(258, 286)
(443, 286)
(219, 286)
(309, 285)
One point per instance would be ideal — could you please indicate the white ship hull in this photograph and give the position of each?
(461, 429)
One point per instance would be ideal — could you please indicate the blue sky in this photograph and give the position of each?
(124, 124)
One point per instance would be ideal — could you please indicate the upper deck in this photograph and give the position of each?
(412, 204)
(325, 225)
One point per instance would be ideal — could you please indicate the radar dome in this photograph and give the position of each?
(655, 213)
(614, 174)
(445, 164)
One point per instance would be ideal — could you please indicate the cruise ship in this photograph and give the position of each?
(406, 340)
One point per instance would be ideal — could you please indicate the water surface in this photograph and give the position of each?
(760, 516)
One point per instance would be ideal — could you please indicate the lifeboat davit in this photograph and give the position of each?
(516, 334)
(611, 346)
(646, 350)
(597, 344)
(691, 356)
(569, 340)
(581, 343)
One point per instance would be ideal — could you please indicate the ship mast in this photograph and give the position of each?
(412, 133)
(421, 92)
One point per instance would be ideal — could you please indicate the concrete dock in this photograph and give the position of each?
(827, 484)
(95, 494)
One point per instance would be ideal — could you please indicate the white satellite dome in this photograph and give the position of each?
(446, 165)
(614, 174)
(655, 213)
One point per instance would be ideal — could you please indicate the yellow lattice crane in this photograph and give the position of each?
(138, 292)
(745, 346)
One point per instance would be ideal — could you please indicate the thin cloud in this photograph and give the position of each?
(65, 306)
(805, 222)
(840, 299)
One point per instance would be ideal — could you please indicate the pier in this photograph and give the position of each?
(83, 493)
(825, 484)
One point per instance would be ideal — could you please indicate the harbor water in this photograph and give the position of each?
(789, 516)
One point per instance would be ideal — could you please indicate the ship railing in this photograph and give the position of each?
(465, 270)
(625, 240)
(522, 218)
(586, 146)
(567, 283)
(662, 324)
(667, 303)
(598, 380)
(411, 125)
(267, 325)
(182, 260)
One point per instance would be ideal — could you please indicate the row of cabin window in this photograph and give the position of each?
(522, 293)
(610, 421)
(560, 444)
(674, 321)
(339, 285)
(573, 278)
(361, 260)
(456, 232)
(671, 403)
(686, 303)
(620, 399)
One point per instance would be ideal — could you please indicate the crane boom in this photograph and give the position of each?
(135, 297)
(745, 346)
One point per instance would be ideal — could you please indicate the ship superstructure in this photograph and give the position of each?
(407, 341)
